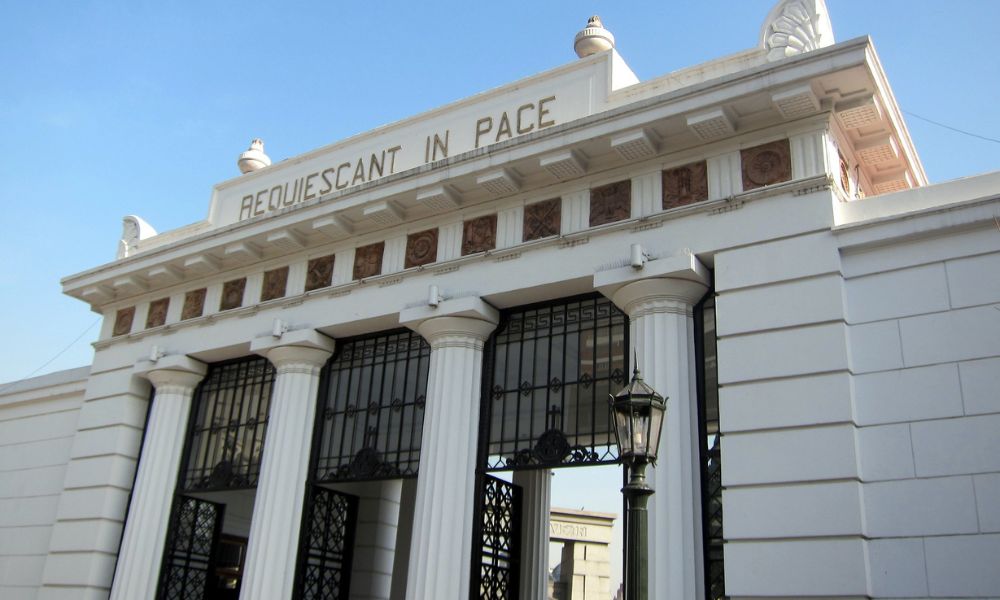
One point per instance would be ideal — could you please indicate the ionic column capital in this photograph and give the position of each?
(458, 323)
(667, 285)
(301, 351)
(176, 372)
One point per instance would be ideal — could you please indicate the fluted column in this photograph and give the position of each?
(272, 549)
(537, 486)
(441, 546)
(659, 300)
(174, 379)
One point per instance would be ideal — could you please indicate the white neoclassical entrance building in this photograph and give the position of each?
(311, 393)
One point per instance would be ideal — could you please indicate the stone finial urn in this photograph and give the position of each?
(254, 158)
(593, 38)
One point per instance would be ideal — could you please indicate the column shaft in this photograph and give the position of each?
(441, 548)
(662, 332)
(141, 551)
(537, 486)
(272, 548)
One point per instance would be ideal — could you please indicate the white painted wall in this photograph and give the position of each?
(924, 335)
(38, 419)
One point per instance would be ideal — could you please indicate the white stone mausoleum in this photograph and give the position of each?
(353, 377)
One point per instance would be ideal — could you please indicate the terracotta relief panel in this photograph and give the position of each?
(274, 284)
(685, 185)
(421, 248)
(542, 219)
(123, 321)
(368, 260)
(766, 164)
(232, 294)
(157, 314)
(194, 304)
(845, 175)
(319, 273)
(610, 203)
(479, 234)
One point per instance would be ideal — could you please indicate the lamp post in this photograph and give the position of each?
(638, 413)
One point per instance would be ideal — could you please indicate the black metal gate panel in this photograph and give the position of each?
(191, 540)
(371, 408)
(324, 569)
(500, 563)
(549, 370)
(228, 424)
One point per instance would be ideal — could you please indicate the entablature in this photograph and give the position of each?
(705, 121)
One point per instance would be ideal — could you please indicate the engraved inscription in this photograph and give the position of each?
(685, 185)
(157, 314)
(479, 235)
(542, 219)
(274, 284)
(421, 248)
(319, 273)
(123, 321)
(766, 164)
(232, 294)
(610, 203)
(368, 260)
(194, 304)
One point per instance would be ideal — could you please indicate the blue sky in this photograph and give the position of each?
(138, 107)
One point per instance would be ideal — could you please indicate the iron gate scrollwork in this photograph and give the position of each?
(711, 454)
(500, 518)
(551, 368)
(371, 410)
(228, 423)
(191, 542)
(327, 543)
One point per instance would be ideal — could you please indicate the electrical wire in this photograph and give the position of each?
(48, 362)
(955, 129)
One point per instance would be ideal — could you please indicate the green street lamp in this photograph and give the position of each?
(638, 412)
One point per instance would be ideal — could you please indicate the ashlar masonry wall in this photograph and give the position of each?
(38, 420)
(923, 299)
(859, 371)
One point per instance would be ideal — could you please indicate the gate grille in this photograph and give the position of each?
(194, 529)
(372, 408)
(552, 367)
(501, 544)
(324, 569)
(229, 419)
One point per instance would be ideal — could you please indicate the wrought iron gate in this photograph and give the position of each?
(500, 563)
(324, 569)
(191, 541)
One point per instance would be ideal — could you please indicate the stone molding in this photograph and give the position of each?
(302, 351)
(659, 295)
(176, 373)
(458, 323)
(667, 285)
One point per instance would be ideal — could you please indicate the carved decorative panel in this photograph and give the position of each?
(685, 185)
(479, 234)
(421, 248)
(766, 164)
(845, 175)
(368, 260)
(610, 203)
(157, 314)
(194, 304)
(542, 219)
(319, 273)
(232, 294)
(123, 321)
(274, 284)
